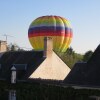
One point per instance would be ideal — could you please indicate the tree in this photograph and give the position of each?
(13, 47)
(70, 57)
(87, 55)
(70, 51)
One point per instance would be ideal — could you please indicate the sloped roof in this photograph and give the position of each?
(27, 64)
(95, 56)
(20, 66)
(86, 73)
(31, 58)
(77, 74)
(51, 68)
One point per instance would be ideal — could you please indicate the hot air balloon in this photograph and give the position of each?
(56, 27)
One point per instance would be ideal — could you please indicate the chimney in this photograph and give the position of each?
(13, 75)
(3, 46)
(12, 93)
(48, 47)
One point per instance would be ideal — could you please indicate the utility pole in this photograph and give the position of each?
(6, 35)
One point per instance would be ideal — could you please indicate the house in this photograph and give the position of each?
(86, 75)
(46, 67)
(32, 65)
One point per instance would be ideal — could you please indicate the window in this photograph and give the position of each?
(12, 95)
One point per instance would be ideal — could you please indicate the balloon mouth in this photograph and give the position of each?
(56, 47)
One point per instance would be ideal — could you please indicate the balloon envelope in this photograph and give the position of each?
(56, 27)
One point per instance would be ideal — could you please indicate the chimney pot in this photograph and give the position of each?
(13, 75)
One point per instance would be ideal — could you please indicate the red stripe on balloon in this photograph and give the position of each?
(50, 34)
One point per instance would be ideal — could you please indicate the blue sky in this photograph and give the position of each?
(84, 16)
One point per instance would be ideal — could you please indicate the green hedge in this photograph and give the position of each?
(33, 91)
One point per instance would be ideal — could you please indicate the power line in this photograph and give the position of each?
(6, 35)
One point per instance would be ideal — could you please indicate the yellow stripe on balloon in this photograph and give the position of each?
(38, 43)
